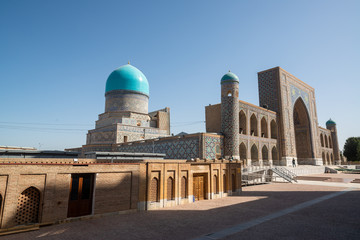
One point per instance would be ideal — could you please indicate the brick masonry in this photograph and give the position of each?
(118, 186)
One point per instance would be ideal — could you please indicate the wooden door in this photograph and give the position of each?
(199, 187)
(81, 191)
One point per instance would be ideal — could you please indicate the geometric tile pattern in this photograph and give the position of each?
(296, 93)
(268, 93)
(230, 125)
(186, 148)
(213, 145)
(28, 206)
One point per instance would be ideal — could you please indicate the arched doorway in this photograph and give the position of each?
(184, 187)
(154, 190)
(302, 132)
(322, 140)
(224, 183)
(326, 142)
(242, 124)
(324, 159)
(264, 128)
(254, 155)
(233, 182)
(243, 153)
(0, 207)
(275, 156)
(253, 126)
(170, 189)
(265, 156)
(216, 185)
(273, 127)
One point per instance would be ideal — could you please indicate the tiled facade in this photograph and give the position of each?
(190, 146)
(284, 128)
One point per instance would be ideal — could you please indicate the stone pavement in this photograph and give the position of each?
(270, 211)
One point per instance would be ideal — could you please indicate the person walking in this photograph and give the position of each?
(293, 162)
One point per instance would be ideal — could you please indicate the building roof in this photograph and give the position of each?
(127, 77)
(21, 153)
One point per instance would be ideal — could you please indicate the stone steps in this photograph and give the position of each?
(302, 170)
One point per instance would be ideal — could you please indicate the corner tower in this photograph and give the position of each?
(230, 114)
(331, 125)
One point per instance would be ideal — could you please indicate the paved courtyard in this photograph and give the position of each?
(270, 211)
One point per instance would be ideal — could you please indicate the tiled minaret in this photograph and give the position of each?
(230, 115)
(331, 125)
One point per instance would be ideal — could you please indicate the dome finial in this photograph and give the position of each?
(229, 70)
(129, 62)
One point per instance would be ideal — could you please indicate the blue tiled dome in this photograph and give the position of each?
(127, 77)
(229, 77)
(330, 122)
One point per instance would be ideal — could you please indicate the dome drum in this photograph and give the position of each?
(125, 100)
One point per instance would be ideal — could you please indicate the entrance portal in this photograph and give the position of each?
(302, 132)
(81, 191)
(199, 186)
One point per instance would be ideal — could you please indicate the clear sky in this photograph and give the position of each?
(55, 57)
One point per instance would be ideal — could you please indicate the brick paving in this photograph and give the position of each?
(335, 218)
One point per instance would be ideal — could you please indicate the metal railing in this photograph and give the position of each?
(285, 173)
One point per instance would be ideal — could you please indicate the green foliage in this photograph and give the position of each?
(352, 149)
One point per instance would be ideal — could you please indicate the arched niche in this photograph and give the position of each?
(302, 131)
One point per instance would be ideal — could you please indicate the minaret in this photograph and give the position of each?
(331, 125)
(230, 115)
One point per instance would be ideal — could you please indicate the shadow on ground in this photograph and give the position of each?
(336, 218)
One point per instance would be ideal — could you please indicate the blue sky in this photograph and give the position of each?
(55, 57)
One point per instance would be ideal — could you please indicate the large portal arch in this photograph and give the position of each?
(302, 130)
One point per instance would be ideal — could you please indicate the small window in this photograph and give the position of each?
(229, 94)
(217, 148)
(125, 138)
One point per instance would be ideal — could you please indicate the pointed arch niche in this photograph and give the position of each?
(254, 155)
(242, 122)
(253, 125)
(302, 131)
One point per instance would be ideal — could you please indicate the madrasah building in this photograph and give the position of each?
(282, 129)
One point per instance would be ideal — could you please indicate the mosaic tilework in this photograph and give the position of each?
(212, 144)
(230, 125)
(268, 93)
(173, 148)
(296, 93)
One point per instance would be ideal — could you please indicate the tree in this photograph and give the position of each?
(352, 149)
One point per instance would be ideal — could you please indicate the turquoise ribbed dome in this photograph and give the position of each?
(229, 77)
(330, 122)
(127, 77)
